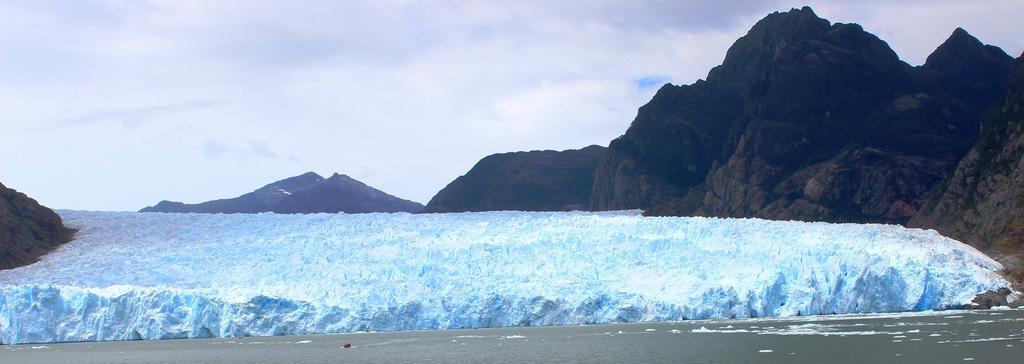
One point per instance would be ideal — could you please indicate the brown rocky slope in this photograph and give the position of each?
(27, 229)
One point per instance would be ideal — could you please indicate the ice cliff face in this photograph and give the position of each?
(151, 276)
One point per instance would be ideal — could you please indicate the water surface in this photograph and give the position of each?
(934, 337)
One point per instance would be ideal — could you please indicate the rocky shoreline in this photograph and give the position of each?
(998, 298)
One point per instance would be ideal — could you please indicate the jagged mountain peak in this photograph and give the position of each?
(337, 176)
(298, 182)
(960, 36)
(310, 174)
(794, 23)
(962, 47)
(343, 180)
(970, 69)
(341, 193)
(776, 30)
(797, 38)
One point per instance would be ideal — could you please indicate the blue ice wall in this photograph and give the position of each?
(153, 276)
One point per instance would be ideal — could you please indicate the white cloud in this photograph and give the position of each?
(136, 115)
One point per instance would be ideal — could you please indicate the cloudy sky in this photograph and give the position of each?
(114, 105)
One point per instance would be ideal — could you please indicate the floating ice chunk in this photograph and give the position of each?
(703, 329)
(986, 340)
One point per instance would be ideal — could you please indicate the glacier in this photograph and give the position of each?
(155, 276)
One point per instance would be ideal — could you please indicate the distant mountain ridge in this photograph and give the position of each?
(305, 193)
(28, 230)
(540, 180)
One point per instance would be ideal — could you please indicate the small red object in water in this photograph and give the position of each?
(347, 346)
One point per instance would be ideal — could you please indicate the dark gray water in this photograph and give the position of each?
(950, 336)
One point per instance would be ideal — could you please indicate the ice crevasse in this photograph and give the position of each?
(154, 276)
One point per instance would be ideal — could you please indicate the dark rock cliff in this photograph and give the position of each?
(805, 120)
(982, 202)
(27, 229)
(527, 181)
(305, 193)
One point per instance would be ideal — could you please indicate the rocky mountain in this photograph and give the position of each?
(261, 200)
(527, 181)
(27, 229)
(982, 202)
(341, 193)
(305, 193)
(805, 120)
